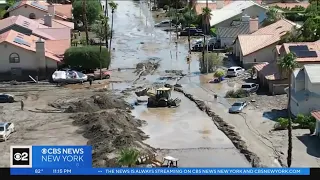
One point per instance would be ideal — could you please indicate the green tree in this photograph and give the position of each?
(311, 29)
(113, 7)
(93, 10)
(214, 61)
(98, 28)
(87, 57)
(273, 16)
(287, 64)
(128, 157)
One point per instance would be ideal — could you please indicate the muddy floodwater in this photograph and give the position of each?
(188, 134)
(184, 132)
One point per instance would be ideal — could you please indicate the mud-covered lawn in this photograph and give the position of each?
(71, 116)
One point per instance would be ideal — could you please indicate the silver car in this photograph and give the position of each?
(237, 107)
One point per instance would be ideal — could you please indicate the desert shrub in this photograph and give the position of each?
(304, 120)
(282, 124)
(87, 57)
(240, 93)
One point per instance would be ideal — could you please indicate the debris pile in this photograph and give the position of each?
(105, 120)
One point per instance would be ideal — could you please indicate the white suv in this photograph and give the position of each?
(235, 71)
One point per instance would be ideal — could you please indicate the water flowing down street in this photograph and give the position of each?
(184, 132)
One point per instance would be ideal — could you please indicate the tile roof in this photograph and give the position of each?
(58, 46)
(56, 33)
(265, 36)
(234, 31)
(312, 46)
(41, 5)
(65, 9)
(316, 114)
(269, 70)
(57, 23)
(10, 36)
(45, 32)
(232, 9)
(290, 5)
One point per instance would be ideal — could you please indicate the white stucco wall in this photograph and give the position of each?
(306, 106)
(27, 59)
(263, 55)
(26, 10)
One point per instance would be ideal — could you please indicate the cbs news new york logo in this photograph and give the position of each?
(21, 156)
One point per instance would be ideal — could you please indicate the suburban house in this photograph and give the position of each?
(24, 55)
(305, 89)
(227, 35)
(38, 9)
(316, 115)
(269, 75)
(50, 29)
(260, 46)
(225, 16)
(306, 52)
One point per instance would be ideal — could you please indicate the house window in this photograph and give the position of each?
(32, 16)
(255, 60)
(14, 58)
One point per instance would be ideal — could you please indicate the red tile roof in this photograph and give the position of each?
(312, 46)
(44, 3)
(50, 51)
(265, 36)
(316, 114)
(269, 70)
(290, 5)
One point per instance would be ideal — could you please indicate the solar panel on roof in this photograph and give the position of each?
(39, 6)
(298, 48)
(306, 54)
(21, 41)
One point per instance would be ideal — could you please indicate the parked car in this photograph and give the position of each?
(165, 23)
(199, 47)
(96, 75)
(193, 32)
(6, 98)
(6, 129)
(237, 107)
(235, 71)
(250, 87)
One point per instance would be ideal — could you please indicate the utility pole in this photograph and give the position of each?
(177, 30)
(189, 27)
(106, 24)
(84, 6)
(207, 57)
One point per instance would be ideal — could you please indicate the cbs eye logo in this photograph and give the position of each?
(21, 156)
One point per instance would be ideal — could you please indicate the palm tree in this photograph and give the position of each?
(288, 63)
(113, 7)
(85, 22)
(206, 14)
(128, 157)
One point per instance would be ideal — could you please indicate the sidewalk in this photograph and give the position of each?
(255, 131)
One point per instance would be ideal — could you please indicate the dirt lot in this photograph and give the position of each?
(72, 115)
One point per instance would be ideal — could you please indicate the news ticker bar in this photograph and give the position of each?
(160, 171)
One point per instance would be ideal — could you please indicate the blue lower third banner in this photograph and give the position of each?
(51, 157)
(160, 171)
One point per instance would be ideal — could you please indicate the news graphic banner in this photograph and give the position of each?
(51, 157)
(77, 160)
(160, 171)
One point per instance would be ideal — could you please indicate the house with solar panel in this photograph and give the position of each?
(38, 9)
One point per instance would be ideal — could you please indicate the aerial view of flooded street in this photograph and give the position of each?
(157, 99)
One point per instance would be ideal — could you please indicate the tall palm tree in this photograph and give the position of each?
(206, 14)
(113, 7)
(288, 63)
(128, 157)
(85, 21)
